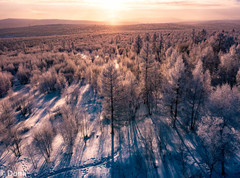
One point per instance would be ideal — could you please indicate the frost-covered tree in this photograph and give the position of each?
(230, 64)
(132, 95)
(173, 84)
(210, 59)
(197, 90)
(154, 42)
(51, 81)
(9, 131)
(23, 74)
(5, 82)
(69, 126)
(159, 48)
(132, 103)
(112, 92)
(147, 72)
(224, 104)
(221, 42)
(42, 140)
(201, 36)
(147, 37)
(137, 46)
(208, 131)
(32, 154)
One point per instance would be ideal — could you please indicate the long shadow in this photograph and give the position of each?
(135, 164)
(162, 139)
(64, 163)
(45, 167)
(101, 143)
(53, 102)
(81, 155)
(190, 153)
(90, 102)
(2, 158)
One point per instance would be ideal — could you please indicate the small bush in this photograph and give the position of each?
(50, 81)
(26, 106)
(9, 132)
(5, 83)
(69, 71)
(23, 75)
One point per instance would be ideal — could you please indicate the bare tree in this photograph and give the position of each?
(159, 48)
(31, 153)
(137, 46)
(51, 81)
(147, 63)
(23, 74)
(224, 104)
(173, 85)
(9, 131)
(5, 83)
(26, 105)
(43, 141)
(197, 91)
(111, 91)
(69, 126)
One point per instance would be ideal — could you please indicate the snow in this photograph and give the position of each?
(91, 158)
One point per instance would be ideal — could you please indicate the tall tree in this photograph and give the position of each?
(224, 104)
(112, 102)
(208, 131)
(229, 66)
(198, 89)
(137, 46)
(173, 85)
(159, 48)
(147, 69)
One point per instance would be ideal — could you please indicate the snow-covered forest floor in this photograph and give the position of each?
(161, 151)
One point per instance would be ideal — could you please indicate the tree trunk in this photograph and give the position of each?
(176, 109)
(138, 70)
(211, 171)
(222, 163)
(222, 151)
(112, 132)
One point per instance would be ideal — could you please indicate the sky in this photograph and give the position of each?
(117, 11)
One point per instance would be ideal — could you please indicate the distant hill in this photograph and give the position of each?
(70, 29)
(35, 28)
(15, 23)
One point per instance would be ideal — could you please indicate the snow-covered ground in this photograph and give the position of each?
(137, 147)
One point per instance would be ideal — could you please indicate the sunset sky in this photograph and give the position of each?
(111, 11)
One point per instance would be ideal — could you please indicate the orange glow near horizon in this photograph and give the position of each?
(117, 11)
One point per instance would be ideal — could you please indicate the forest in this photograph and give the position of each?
(127, 101)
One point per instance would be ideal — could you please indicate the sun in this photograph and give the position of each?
(111, 8)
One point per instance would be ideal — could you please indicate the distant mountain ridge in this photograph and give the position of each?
(15, 23)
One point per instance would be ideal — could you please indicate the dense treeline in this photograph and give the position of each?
(189, 77)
